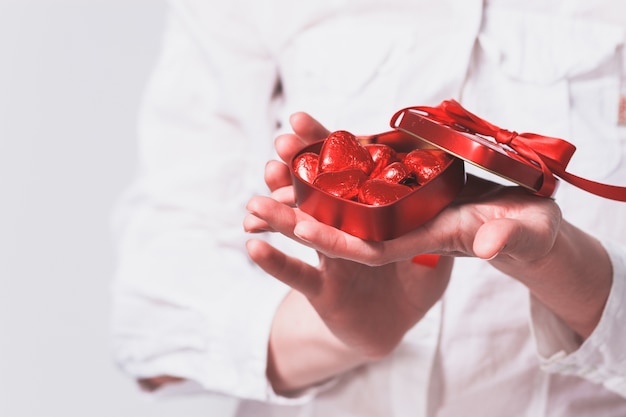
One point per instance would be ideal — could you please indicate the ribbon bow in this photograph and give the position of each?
(551, 154)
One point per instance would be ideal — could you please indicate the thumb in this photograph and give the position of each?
(492, 237)
(521, 240)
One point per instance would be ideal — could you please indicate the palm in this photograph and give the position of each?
(370, 308)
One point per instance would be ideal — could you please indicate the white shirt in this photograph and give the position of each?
(189, 303)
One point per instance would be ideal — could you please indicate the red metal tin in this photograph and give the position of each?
(473, 148)
(388, 221)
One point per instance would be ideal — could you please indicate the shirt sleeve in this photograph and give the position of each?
(601, 358)
(186, 300)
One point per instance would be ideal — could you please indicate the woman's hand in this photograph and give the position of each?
(342, 313)
(368, 307)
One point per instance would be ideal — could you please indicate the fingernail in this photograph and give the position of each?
(497, 253)
(297, 231)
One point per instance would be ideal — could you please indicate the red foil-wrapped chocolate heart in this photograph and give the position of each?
(425, 163)
(394, 173)
(341, 151)
(377, 192)
(382, 155)
(343, 184)
(305, 165)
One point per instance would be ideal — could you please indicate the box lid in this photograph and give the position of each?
(528, 159)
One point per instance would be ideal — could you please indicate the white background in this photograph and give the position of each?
(71, 76)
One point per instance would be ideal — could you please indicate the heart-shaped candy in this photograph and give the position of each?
(342, 151)
(425, 163)
(343, 184)
(382, 155)
(394, 173)
(377, 192)
(305, 166)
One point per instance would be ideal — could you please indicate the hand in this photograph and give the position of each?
(368, 307)
(358, 313)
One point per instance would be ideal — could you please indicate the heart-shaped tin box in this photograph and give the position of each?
(386, 221)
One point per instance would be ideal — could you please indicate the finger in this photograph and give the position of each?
(292, 271)
(277, 175)
(278, 216)
(307, 127)
(432, 238)
(288, 145)
(285, 195)
(306, 131)
(335, 243)
(253, 224)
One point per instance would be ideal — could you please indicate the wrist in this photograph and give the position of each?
(573, 279)
(302, 351)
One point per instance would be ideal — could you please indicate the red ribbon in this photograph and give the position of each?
(551, 154)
